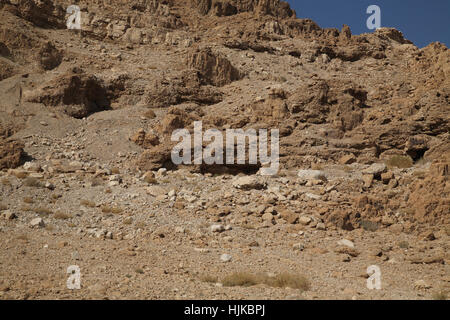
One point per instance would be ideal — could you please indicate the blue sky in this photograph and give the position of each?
(421, 21)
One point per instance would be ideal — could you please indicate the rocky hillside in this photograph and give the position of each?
(86, 118)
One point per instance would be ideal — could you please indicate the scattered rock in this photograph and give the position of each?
(225, 257)
(249, 183)
(217, 228)
(347, 243)
(37, 222)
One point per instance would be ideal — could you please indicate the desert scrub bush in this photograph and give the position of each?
(32, 182)
(282, 280)
(403, 244)
(43, 211)
(139, 270)
(401, 162)
(208, 278)
(288, 280)
(62, 216)
(88, 203)
(110, 209)
(240, 279)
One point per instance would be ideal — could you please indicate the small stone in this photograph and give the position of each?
(172, 193)
(155, 191)
(396, 228)
(393, 183)
(267, 216)
(387, 221)
(298, 246)
(376, 169)
(347, 243)
(249, 183)
(347, 159)
(75, 255)
(313, 196)
(49, 186)
(100, 233)
(128, 220)
(180, 230)
(161, 172)
(346, 258)
(149, 177)
(37, 222)
(311, 174)
(32, 166)
(305, 220)
(321, 226)
(225, 257)
(368, 180)
(217, 228)
(386, 177)
(62, 244)
(8, 215)
(289, 216)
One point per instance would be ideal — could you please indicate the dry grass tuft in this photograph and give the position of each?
(403, 244)
(209, 278)
(288, 280)
(43, 211)
(88, 203)
(109, 209)
(62, 216)
(282, 280)
(241, 279)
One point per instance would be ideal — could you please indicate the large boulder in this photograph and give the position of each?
(78, 94)
(214, 69)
